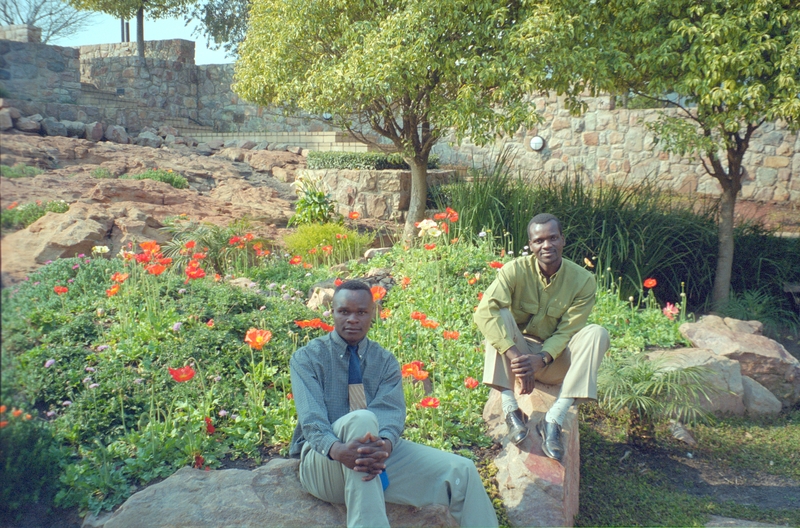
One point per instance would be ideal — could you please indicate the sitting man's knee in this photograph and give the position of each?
(361, 417)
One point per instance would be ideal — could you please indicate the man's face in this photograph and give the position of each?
(352, 314)
(547, 244)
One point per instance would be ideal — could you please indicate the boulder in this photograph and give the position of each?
(268, 496)
(51, 127)
(321, 297)
(6, 122)
(13, 112)
(374, 252)
(231, 143)
(36, 117)
(216, 144)
(166, 130)
(245, 144)
(25, 124)
(231, 153)
(761, 358)
(94, 131)
(203, 149)
(757, 399)
(117, 134)
(724, 382)
(148, 139)
(75, 129)
(283, 175)
(295, 150)
(261, 145)
(536, 490)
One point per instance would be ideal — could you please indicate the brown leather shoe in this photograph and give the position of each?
(517, 430)
(551, 439)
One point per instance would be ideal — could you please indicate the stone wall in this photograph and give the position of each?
(34, 71)
(21, 33)
(175, 50)
(606, 145)
(384, 194)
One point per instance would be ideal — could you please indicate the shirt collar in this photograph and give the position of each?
(541, 275)
(342, 344)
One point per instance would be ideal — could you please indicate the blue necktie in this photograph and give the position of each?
(354, 376)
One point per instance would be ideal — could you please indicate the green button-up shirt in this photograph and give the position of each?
(552, 312)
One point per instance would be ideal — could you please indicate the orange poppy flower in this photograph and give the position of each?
(472, 280)
(419, 316)
(210, 323)
(405, 281)
(143, 258)
(378, 292)
(326, 327)
(120, 277)
(429, 323)
(190, 244)
(452, 216)
(248, 237)
(440, 216)
(165, 261)
(429, 246)
(496, 265)
(295, 260)
(112, 291)
(3, 409)
(3, 423)
(650, 283)
(480, 296)
(386, 313)
(429, 402)
(151, 247)
(198, 256)
(234, 240)
(60, 289)
(156, 269)
(257, 338)
(451, 334)
(12, 205)
(471, 383)
(182, 374)
(312, 251)
(16, 413)
(307, 265)
(327, 249)
(338, 282)
(354, 215)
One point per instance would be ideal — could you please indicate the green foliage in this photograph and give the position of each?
(361, 160)
(314, 205)
(759, 305)
(222, 22)
(31, 459)
(19, 170)
(24, 215)
(327, 243)
(165, 176)
(102, 173)
(127, 8)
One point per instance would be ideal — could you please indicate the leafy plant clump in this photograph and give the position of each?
(102, 173)
(165, 176)
(362, 161)
(19, 170)
(314, 204)
(327, 243)
(762, 306)
(16, 216)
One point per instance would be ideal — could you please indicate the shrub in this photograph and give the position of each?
(20, 217)
(760, 305)
(361, 160)
(19, 171)
(314, 205)
(102, 173)
(165, 176)
(311, 242)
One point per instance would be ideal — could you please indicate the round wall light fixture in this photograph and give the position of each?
(537, 143)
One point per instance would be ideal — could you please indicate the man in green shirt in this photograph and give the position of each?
(533, 317)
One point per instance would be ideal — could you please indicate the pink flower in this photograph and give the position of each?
(670, 310)
(49, 363)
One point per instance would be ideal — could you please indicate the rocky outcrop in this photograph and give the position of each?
(536, 490)
(268, 496)
(761, 358)
(757, 399)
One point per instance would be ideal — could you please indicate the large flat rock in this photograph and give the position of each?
(536, 490)
(268, 496)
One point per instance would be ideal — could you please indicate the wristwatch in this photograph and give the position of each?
(546, 358)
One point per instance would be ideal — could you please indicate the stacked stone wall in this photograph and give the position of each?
(615, 146)
(21, 33)
(34, 71)
(175, 50)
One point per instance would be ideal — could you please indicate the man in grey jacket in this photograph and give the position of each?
(351, 412)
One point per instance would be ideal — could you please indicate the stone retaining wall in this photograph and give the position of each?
(384, 194)
(21, 33)
(614, 146)
(30, 70)
(175, 50)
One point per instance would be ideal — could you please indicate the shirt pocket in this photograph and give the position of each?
(556, 309)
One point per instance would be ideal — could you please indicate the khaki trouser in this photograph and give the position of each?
(418, 475)
(575, 369)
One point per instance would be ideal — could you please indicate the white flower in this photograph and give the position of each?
(425, 225)
(434, 232)
(100, 249)
(482, 234)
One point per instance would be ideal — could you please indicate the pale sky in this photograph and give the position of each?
(105, 29)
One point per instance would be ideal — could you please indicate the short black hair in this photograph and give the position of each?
(543, 218)
(353, 285)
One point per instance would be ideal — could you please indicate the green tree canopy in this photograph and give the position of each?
(725, 66)
(406, 70)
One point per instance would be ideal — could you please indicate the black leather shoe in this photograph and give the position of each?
(551, 439)
(517, 430)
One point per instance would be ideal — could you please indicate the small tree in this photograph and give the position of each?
(55, 18)
(729, 66)
(404, 70)
(129, 8)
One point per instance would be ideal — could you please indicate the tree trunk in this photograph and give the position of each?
(419, 196)
(722, 277)
(140, 33)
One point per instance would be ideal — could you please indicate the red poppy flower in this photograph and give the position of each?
(429, 402)
(234, 240)
(650, 283)
(248, 237)
(190, 244)
(480, 296)
(120, 277)
(312, 251)
(440, 216)
(327, 249)
(60, 289)
(496, 265)
(429, 246)
(414, 369)
(257, 338)
(452, 216)
(405, 281)
(290, 396)
(419, 316)
(198, 256)
(182, 374)
(112, 291)
(326, 327)
(472, 280)
(143, 258)
(471, 383)
(210, 429)
(151, 247)
(307, 265)
(295, 260)
(156, 269)
(451, 334)
(337, 282)
(165, 261)
(378, 292)
(3, 423)
(198, 461)
(354, 215)
(210, 323)
(386, 313)
(12, 205)
(444, 227)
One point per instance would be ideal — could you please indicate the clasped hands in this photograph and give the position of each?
(524, 367)
(366, 454)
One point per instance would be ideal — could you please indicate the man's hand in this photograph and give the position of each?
(524, 367)
(366, 454)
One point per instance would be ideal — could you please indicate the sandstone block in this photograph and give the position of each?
(51, 127)
(245, 144)
(148, 139)
(321, 297)
(536, 490)
(216, 144)
(166, 130)
(6, 122)
(94, 131)
(776, 162)
(75, 128)
(268, 496)
(757, 399)
(116, 134)
(231, 153)
(591, 139)
(294, 150)
(203, 149)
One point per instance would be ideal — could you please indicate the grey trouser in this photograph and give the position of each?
(575, 369)
(418, 475)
